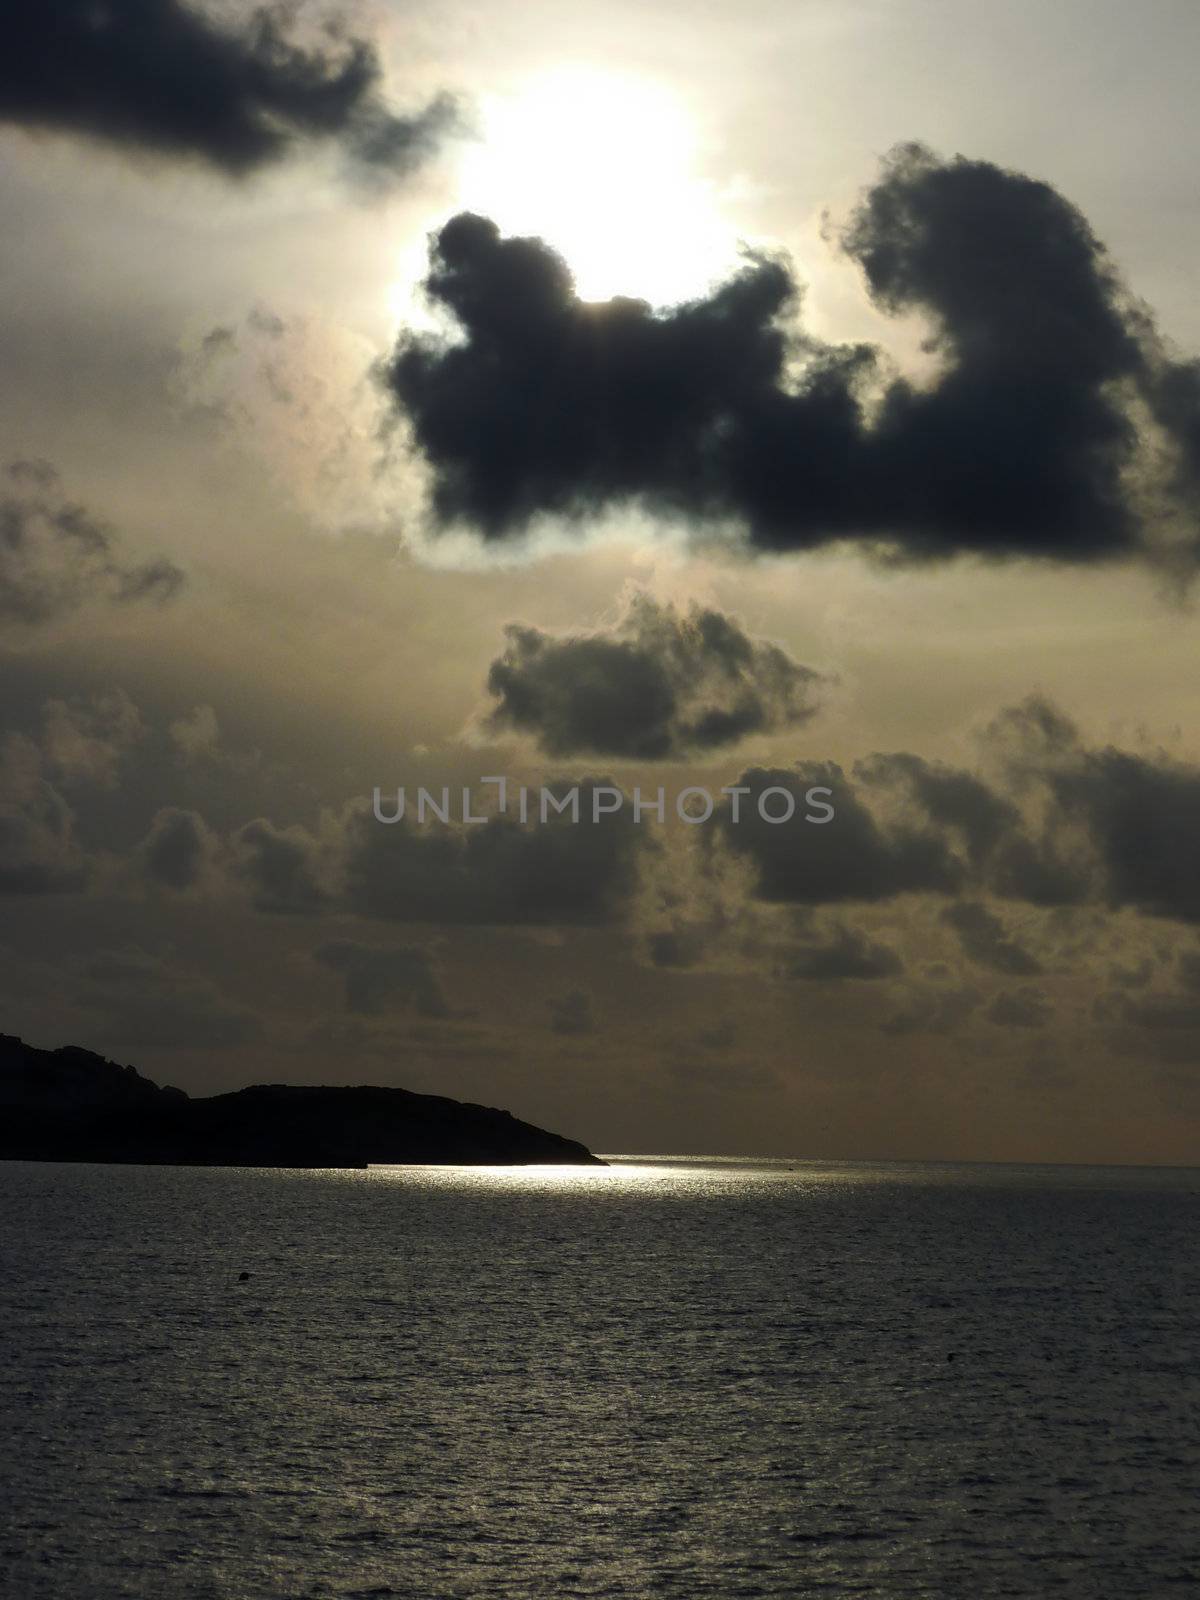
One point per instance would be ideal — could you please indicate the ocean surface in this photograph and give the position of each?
(668, 1378)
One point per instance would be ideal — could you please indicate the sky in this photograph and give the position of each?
(611, 396)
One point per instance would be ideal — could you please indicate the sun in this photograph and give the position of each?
(602, 165)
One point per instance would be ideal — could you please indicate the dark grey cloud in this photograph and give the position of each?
(1142, 816)
(712, 411)
(1019, 1008)
(572, 1013)
(1159, 1025)
(55, 555)
(1136, 976)
(170, 79)
(68, 806)
(196, 736)
(551, 404)
(855, 857)
(281, 866)
(720, 1037)
(1019, 447)
(1062, 824)
(141, 1002)
(1031, 732)
(39, 851)
(848, 953)
(677, 947)
(380, 978)
(948, 796)
(502, 872)
(1115, 826)
(1015, 852)
(699, 1071)
(84, 742)
(984, 940)
(1154, 1027)
(1171, 1012)
(78, 750)
(660, 685)
(1051, 867)
(1005, 848)
(934, 1008)
(1174, 399)
(178, 849)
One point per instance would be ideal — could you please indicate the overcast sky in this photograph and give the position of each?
(329, 462)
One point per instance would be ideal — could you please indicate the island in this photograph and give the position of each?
(73, 1105)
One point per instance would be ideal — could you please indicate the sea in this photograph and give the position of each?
(666, 1377)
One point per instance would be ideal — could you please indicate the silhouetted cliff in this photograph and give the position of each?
(71, 1105)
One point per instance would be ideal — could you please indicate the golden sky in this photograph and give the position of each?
(235, 601)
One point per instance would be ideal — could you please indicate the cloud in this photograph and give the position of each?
(1019, 1008)
(1034, 730)
(282, 866)
(39, 852)
(660, 685)
(1132, 977)
(1162, 1011)
(142, 1003)
(720, 1037)
(855, 857)
(165, 78)
(1155, 1024)
(81, 745)
(179, 848)
(948, 796)
(1141, 816)
(934, 1008)
(1055, 868)
(1046, 860)
(1024, 444)
(197, 736)
(1174, 399)
(678, 947)
(1116, 827)
(502, 872)
(698, 1071)
(1021, 443)
(847, 954)
(1061, 824)
(572, 1013)
(552, 404)
(291, 396)
(85, 741)
(1077, 825)
(984, 941)
(56, 556)
(381, 978)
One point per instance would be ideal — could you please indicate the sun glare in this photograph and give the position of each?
(602, 166)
